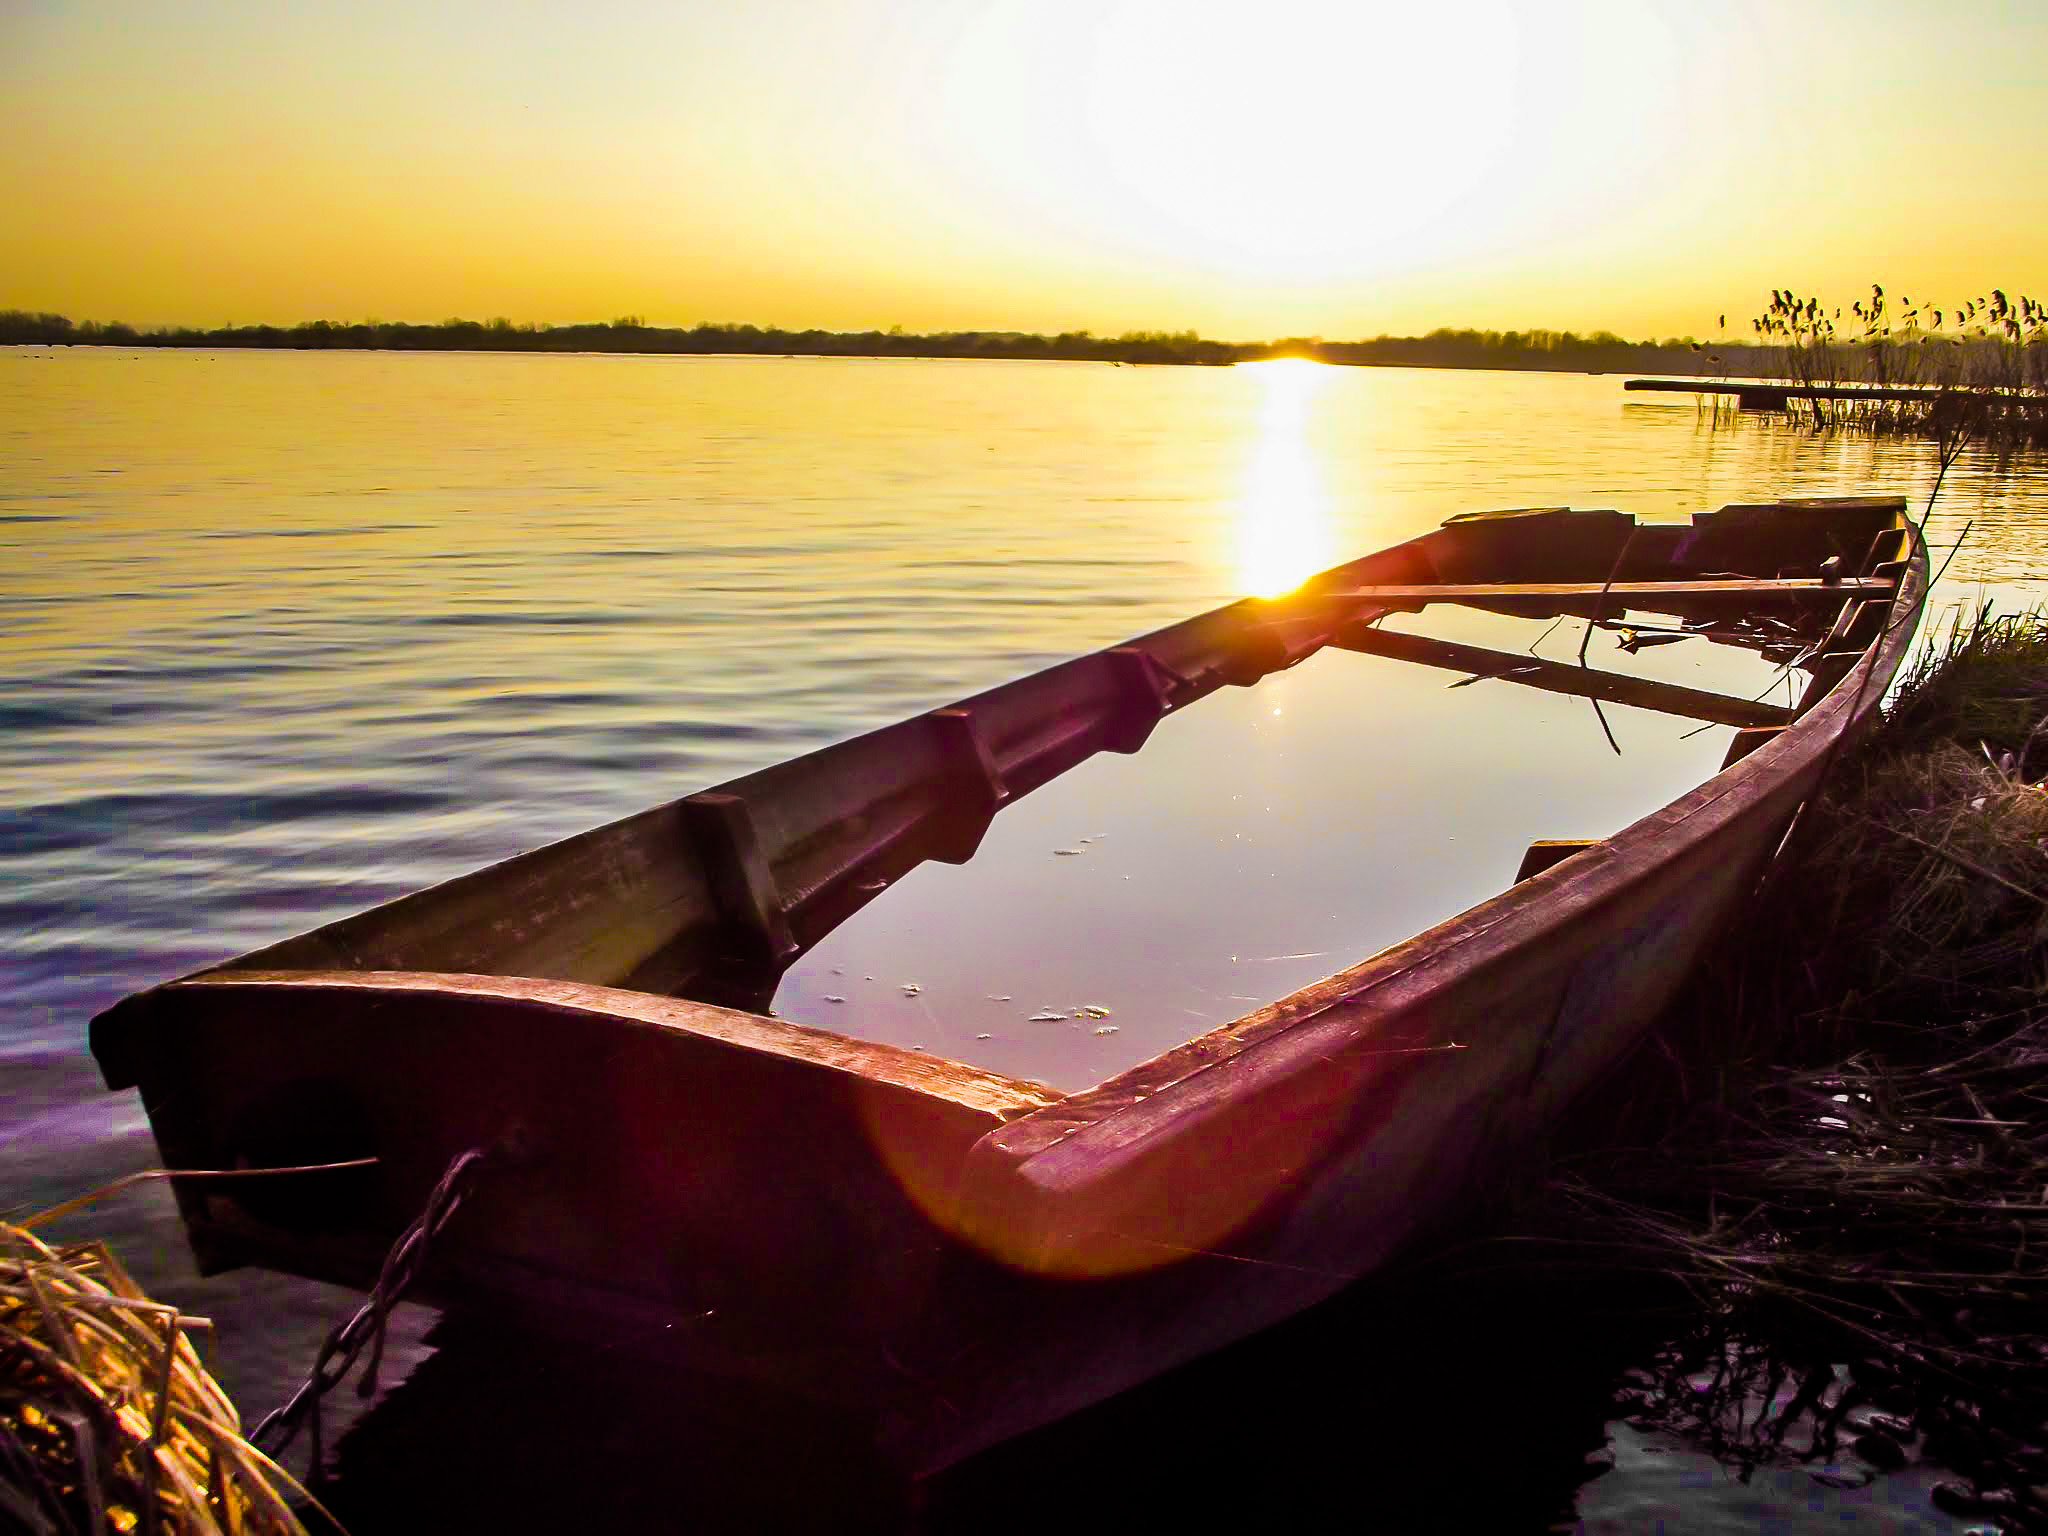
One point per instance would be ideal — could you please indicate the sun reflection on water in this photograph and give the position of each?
(1284, 532)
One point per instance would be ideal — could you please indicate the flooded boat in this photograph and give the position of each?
(941, 1254)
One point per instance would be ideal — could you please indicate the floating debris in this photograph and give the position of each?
(1482, 677)
(832, 997)
(1091, 1011)
(911, 989)
(1070, 853)
(1000, 997)
(1048, 1016)
(1107, 1029)
(1634, 639)
(984, 1037)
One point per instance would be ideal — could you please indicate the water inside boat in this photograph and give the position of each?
(1264, 838)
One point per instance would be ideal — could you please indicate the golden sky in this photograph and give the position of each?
(1247, 169)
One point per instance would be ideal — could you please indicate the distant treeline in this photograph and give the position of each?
(1560, 351)
(627, 334)
(1550, 351)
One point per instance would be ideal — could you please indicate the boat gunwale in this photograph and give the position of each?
(939, 1077)
(1116, 1117)
(1123, 1111)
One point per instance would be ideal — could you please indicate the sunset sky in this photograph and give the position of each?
(1246, 169)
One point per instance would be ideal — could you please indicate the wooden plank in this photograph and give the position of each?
(1801, 589)
(968, 747)
(1923, 393)
(1547, 852)
(1562, 677)
(741, 880)
(1147, 686)
(956, 1082)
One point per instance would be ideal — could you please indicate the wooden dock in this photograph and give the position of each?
(1775, 394)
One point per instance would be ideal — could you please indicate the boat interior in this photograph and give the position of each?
(714, 896)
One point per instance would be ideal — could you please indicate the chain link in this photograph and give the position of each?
(402, 1266)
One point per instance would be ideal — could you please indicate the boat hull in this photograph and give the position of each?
(946, 1256)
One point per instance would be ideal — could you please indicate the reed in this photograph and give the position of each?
(1986, 358)
(1840, 1149)
(108, 1420)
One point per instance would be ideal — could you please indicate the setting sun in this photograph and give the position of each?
(1311, 148)
(1303, 167)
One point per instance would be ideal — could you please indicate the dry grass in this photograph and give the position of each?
(108, 1420)
(1841, 1149)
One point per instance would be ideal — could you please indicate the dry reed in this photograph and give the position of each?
(108, 1420)
(1982, 363)
(1841, 1148)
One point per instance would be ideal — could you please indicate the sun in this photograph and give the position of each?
(1300, 139)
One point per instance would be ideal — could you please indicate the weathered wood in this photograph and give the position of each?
(947, 1256)
(1783, 389)
(1549, 852)
(972, 1088)
(965, 743)
(1561, 677)
(741, 880)
(1746, 742)
(1147, 687)
(1802, 589)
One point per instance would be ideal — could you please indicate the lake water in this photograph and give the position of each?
(285, 635)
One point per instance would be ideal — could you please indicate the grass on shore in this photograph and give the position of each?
(1839, 1141)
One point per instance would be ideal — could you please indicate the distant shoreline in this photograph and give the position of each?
(1525, 351)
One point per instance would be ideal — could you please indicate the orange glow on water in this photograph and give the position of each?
(1284, 532)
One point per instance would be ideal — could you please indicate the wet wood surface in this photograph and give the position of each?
(1562, 677)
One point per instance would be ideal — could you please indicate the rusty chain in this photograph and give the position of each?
(402, 1266)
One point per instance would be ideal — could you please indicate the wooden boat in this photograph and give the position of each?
(945, 1255)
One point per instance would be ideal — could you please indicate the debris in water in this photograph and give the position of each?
(1107, 1029)
(831, 997)
(1633, 640)
(984, 1037)
(1069, 853)
(911, 989)
(1091, 1011)
(1047, 1016)
(999, 998)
